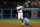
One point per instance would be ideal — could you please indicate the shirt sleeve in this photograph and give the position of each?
(16, 9)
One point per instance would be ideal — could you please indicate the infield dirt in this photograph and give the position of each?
(19, 25)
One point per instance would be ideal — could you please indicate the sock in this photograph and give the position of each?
(22, 20)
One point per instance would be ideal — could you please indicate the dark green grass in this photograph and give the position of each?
(18, 21)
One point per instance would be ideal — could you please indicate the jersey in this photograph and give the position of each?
(19, 9)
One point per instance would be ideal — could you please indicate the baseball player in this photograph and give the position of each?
(26, 22)
(20, 13)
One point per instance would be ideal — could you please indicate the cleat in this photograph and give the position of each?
(22, 24)
(29, 25)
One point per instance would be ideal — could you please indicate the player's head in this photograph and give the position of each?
(18, 4)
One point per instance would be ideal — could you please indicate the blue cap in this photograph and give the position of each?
(18, 3)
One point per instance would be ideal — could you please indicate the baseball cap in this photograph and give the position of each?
(18, 3)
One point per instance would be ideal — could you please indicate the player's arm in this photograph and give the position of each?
(19, 9)
(22, 7)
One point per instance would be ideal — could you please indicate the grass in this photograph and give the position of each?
(34, 20)
(3, 26)
(18, 21)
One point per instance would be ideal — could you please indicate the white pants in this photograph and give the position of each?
(20, 15)
(26, 21)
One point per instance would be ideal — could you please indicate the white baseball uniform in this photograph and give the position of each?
(20, 13)
(26, 20)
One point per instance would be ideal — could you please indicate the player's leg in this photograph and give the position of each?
(24, 23)
(22, 17)
(27, 24)
(18, 15)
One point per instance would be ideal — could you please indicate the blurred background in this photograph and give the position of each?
(8, 9)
